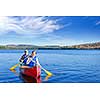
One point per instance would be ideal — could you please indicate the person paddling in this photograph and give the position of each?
(24, 56)
(31, 61)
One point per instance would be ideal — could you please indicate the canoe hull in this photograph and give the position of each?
(31, 74)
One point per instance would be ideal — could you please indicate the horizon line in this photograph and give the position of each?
(47, 44)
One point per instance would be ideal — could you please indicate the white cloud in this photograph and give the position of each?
(28, 25)
(98, 23)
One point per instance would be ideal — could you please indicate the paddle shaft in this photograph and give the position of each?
(47, 72)
(13, 67)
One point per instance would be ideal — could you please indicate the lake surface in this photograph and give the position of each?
(67, 66)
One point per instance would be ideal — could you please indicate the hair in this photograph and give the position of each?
(34, 51)
(26, 51)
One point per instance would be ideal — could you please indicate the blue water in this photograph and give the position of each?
(67, 66)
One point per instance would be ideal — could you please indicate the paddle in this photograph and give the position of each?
(14, 71)
(47, 72)
(13, 67)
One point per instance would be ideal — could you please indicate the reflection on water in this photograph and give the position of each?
(47, 77)
(15, 72)
(28, 79)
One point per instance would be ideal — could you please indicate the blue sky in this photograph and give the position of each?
(49, 30)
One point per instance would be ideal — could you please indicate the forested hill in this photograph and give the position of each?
(81, 46)
(88, 46)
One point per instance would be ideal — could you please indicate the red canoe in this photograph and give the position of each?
(31, 74)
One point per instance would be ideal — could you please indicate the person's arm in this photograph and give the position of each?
(21, 59)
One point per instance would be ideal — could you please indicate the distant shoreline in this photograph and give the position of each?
(88, 46)
(49, 49)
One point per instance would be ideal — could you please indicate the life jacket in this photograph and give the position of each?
(24, 57)
(30, 61)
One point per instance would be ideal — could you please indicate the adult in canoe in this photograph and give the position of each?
(31, 61)
(24, 56)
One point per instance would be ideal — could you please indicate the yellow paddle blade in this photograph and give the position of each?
(13, 70)
(47, 72)
(13, 67)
